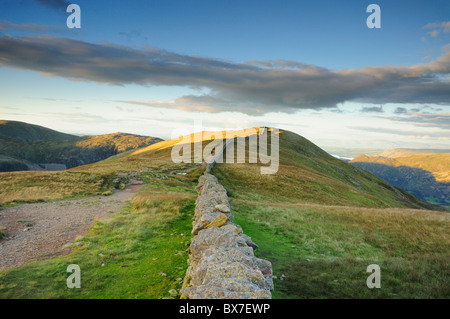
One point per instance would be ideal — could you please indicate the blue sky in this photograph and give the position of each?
(310, 67)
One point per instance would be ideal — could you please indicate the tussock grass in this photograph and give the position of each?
(324, 250)
(322, 221)
(16, 187)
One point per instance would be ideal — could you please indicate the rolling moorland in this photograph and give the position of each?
(425, 175)
(26, 146)
(319, 220)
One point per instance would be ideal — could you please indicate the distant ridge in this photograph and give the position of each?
(424, 175)
(399, 152)
(30, 132)
(436, 164)
(26, 146)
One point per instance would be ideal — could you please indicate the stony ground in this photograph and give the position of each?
(42, 230)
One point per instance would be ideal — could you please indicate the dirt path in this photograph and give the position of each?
(40, 230)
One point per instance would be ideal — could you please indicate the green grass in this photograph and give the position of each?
(36, 186)
(117, 255)
(324, 251)
(307, 174)
(319, 220)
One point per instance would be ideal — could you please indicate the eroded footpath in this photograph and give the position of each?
(44, 230)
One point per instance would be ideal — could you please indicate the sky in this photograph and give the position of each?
(155, 67)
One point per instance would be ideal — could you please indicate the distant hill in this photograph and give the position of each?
(362, 158)
(31, 147)
(340, 152)
(436, 164)
(399, 152)
(30, 132)
(427, 176)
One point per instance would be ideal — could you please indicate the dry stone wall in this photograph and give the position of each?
(222, 264)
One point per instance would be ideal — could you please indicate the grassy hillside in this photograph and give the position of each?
(30, 132)
(28, 146)
(320, 221)
(307, 174)
(427, 176)
(436, 164)
(95, 178)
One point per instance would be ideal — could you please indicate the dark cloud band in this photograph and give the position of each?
(253, 87)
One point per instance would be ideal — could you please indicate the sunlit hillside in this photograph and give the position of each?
(31, 147)
(436, 164)
(320, 221)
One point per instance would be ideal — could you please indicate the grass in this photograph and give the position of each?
(322, 222)
(307, 174)
(121, 257)
(319, 220)
(35, 186)
(324, 250)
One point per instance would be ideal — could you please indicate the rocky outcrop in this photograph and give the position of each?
(222, 264)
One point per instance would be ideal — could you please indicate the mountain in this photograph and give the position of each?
(399, 152)
(31, 147)
(425, 175)
(308, 174)
(30, 133)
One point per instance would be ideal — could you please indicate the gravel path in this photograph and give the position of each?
(40, 230)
